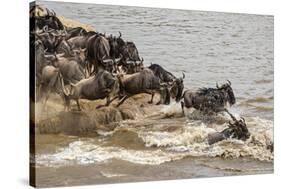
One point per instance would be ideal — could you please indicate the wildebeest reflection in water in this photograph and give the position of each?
(139, 91)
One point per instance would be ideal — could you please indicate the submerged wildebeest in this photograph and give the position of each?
(236, 130)
(103, 85)
(209, 100)
(175, 83)
(143, 82)
(51, 81)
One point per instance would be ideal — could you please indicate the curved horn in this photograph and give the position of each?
(229, 82)
(45, 28)
(183, 75)
(54, 13)
(120, 34)
(217, 85)
(48, 12)
(243, 119)
(141, 59)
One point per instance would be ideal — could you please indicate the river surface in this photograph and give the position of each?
(208, 47)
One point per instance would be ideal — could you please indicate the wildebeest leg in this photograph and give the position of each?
(46, 99)
(108, 101)
(78, 105)
(123, 100)
(182, 107)
(151, 100)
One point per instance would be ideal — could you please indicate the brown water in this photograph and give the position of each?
(160, 143)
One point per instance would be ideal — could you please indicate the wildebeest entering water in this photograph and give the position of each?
(144, 82)
(209, 100)
(176, 84)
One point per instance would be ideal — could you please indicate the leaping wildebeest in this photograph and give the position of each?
(143, 82)
(176, 84)
(102, 85)
(209, 100)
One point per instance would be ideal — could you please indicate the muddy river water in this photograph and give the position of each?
(160, 143)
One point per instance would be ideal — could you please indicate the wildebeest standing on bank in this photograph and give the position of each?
(144, 82)
(50, 20)
(209, 100)
(175, 83)
(70, 69)
(98, 56)
(103, 85)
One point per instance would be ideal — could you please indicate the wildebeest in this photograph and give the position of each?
(97, 53)
(51, 81)
(236, 130)
(76, 31)
(209, 100)
(103, 85)
(117, 45)
(50, 38)
(80, 41)
(50, 20)
(70, 69)
(175, 83)
(130, 52)
(143, 82)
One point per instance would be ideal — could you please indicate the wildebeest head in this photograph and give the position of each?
(50, 38)
(228, 92)
(130, 52)
(50, 20)
(177, 88)
(239, 129)
(116, 45)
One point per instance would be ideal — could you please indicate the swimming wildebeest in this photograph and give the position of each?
(143, 82)
(176, 84)
(236, 130)
(51, 81)
(103, 85)
(209, 100)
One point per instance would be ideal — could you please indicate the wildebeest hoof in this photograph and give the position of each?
(149, 102)
(158, 103)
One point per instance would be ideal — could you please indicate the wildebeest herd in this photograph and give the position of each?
(79, 64)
